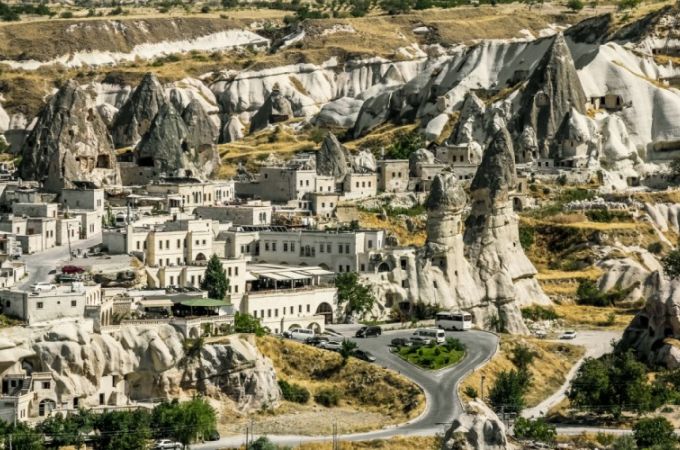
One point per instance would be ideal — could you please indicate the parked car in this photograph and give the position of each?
(365, 332)
(42, 286)
(213, 435)
(165, 444)
(331, 345)
(362, 354)
(332, 332)
(299, 334)
(540, 334)
(316, 340)
(400, 342)
(434, 334)
(571, 334)
(420, 340)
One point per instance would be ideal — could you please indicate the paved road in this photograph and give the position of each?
(596, 343)
(39, 265)
(440, 390)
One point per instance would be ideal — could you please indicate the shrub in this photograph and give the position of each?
(606, 216)
(205, 9)
(671, 263)
(653, 431)
(471, 392)
(522, 356)
(655, 247)
(293, 392)
(526, 237)
(454, 344)
(508, 391)
(538, 312)
(535, 430)
(66, 15)
(575, 5)
(328, 397)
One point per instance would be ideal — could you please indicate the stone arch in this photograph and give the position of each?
(194, 333)
(324, 266)
(326, 310)
(46, 406)
(201, 257)
(384, 267)
(517, 204)
(314, 326)
(295, 325)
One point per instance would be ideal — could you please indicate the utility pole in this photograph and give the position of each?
(68, 236)
(336, 444)
(481, 391)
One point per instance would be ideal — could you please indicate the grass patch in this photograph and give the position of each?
(433, 357)
(595, 316)
(358, 384)
(395, 443)
(548, 370)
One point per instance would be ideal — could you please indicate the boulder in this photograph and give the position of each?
(478, 429)
(420, 156)
(470, 126)
(341, 113)
(277, 108)
(233, 130)
(136, 115)
(332, 158)
(364, 161)
(69, 142)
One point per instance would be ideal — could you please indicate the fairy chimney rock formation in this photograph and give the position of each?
(136, 115)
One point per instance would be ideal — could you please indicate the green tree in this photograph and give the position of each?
(185, 422)
(671, 263)
(356, 297)
(262, 443)
(535, 430)
(245, 323)
(215, 280)
(624, 443)
(628, 4)
(522, 356)
(346, 350)
(22, 437)
(655, 431)
(526, 236)
(507, 393)
(123, 430)
(612, 384)
(403, 143)
(69, 430)
(575, 5)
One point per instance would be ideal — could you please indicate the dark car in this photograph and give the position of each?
(316, 340)
(362, 354)
(400, 342)
(213, 436)
(364, 332)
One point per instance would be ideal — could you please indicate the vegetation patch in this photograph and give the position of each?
(433, 356)
(548, 369)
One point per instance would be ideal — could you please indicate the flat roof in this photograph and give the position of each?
(204, 302)
(286, 273)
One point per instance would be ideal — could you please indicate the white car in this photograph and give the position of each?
(43, 286)
(299, 334)
(164, 444)
(331, 345)
(571, 334)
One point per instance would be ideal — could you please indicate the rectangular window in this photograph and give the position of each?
(307, 308)
(328, 248)
(139, 245)
(236, 289)
(255, 314)
(160, 262)
(266, 246)
(46, 384)
(285, 246)
(370, 243)
(339, 248)
(292, 246)
(273, 246)
(346, 268)
(347, 248)
(236, 271)
(292, 310)
(39, 305)
(167, 244)
(340, 268)
(299, 308)
(74, 303)
(269, 313)
(229, 271)
(363, 268)
(179, 243)
(276, 312)
(321, 248)
(160, 245)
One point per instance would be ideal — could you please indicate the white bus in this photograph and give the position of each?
(453, 321)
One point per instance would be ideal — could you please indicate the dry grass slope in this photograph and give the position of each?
(548, 371)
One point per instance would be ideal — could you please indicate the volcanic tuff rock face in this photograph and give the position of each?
(276, 108)
(478, 429)
(478, 267)
(492, 237)
(69, 142)
(151, 361)
(168, 148)
(654, 333)
(136, 115)
(550, 94)
(332, 158)
(202, 131)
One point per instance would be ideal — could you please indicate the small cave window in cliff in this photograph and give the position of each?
(185, 147)
(103, 162)
(145, 161)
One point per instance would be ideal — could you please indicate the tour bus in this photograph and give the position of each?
(459, 321)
